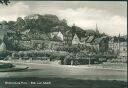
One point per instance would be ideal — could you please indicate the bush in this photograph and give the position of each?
(6, 65)
(4, 54)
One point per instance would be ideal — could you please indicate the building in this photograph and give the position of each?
(60, 35)
(97, 30)
(83, 40)
(118, 45)
(101, 44)
(114, 45)
(57, 34)
(53, 34)
(57, 40)
(123, 47)
(123, 50)
(75, 40)
(89, 40)
(68, 37)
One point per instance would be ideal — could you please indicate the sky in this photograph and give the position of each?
(110, 16)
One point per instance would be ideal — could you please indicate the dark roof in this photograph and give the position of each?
(56, 38)
(125, 37)
(118, 39)
(83, 39)
(98, 40)
(90, 39)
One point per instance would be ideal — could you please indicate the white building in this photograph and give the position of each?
(75, 40)
(57, 34)
(2, 46)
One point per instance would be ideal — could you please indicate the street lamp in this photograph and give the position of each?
(89, 59)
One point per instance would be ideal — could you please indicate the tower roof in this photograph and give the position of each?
(97, 30)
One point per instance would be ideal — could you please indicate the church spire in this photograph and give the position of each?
(97, 29)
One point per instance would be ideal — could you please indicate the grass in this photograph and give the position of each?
(61, 83)
(114, 65)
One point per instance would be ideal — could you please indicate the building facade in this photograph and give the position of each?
(75, 40)
(102, 44)
(68, 37)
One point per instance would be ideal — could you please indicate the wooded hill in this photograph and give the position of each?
(48, 23)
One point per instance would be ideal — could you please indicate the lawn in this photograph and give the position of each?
(113, 65)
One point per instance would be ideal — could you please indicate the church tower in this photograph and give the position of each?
(97, 30)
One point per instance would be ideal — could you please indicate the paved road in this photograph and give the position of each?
(61, 71)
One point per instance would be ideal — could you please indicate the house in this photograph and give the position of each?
(119, 46)
(123, 49)
(89, 40)
(60, 35)
(57, 40)
(75, 40)
(57, 34)
(101, 44)
(68, 37)
(114, 45)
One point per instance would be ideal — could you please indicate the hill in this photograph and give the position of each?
(45, 24)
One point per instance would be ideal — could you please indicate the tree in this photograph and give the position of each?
(68, 58)
(20, 24)
(11, 25)
(6, 2)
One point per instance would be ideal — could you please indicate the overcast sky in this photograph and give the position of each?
(110, 16)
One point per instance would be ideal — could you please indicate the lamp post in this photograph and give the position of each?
(89, 59)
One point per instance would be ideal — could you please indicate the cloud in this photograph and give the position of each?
(85, 17)
(88, 18)
(11, 12)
